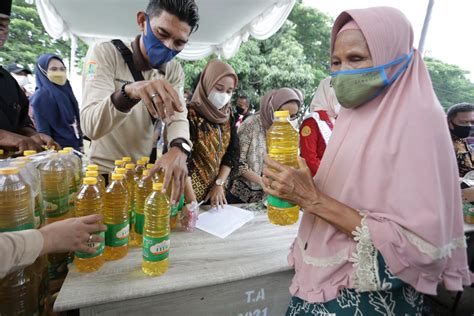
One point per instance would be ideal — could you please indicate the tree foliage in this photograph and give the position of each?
(296, 56)
(28, 38)
(450, 83)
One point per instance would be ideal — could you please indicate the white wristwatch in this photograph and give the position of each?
(220, 182)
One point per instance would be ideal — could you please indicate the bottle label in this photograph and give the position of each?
(139, 221)
(18, 228)
(57, 206)
(276, 202)
(156, 249)
(98, 246)
(117, 234)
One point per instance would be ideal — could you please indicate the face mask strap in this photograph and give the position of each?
(402, 69)
(44, 72)
(378, 68)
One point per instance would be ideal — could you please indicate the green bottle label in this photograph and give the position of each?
(117, 234)
(139, 221)
(18, 228)
(57, 206)
(98, 246)
(156, 249)
(276, 202)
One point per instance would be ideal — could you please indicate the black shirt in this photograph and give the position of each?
(14, 104)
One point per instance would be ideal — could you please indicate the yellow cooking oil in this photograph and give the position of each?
(129, 181)
(143, 188)
(89, 202)
(116, 218)
(100, 179)
(282, 146)
(18, 290)
(74, 179)
(156, 231)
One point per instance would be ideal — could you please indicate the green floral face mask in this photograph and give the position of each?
(358, 86)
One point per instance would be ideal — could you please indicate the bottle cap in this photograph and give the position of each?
(127, 159)
(90, 180)
(157, 186)
(29, 152)
(145, 173)
(282, 113)
(68, 149)
(146, 159)
(9, 170)
(63, 152)
(92, 173)
(118, 162)
(1, 152)
(141, 162)
(149, 166)
(92, 168)
(117, 176)
(120, 170)
(130, 166)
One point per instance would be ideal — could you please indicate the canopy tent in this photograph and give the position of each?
(224, 24)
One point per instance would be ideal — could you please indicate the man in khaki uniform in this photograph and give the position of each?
(116, 111)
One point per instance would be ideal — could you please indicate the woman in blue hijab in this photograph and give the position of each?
(55, 108)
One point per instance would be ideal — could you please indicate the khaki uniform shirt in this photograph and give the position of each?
(116, 134)
(19, 249)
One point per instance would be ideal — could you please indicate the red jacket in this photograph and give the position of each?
(312, 143)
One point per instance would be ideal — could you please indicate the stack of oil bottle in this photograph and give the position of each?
(38, 189)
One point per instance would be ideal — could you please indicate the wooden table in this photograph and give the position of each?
(245, 274)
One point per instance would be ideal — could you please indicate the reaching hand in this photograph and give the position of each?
(72, 234)
(173, 164)
(290, 184)
(159, 97)
(217, 196)
(43, 139)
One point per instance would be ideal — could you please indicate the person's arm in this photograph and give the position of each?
(231, 156)
(19, 249)
(309, 137)
(99, 115)
(297, 186)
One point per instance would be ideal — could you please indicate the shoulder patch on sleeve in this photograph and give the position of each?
(90, 70)
(306, 131)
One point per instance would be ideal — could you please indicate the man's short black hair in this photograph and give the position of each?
(458, 108)
(184, 10)
(245, 97)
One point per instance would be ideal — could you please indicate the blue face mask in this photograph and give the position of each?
(358, 86)
(157, 52)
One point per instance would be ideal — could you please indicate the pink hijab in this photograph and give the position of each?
(392, 160)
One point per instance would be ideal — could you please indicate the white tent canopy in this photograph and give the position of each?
(224, 24)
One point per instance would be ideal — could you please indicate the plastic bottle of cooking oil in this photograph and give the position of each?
(89, 202)
(139, 169)
(146, 159)
(100, 179)
(117, 164)
(116, 218)
(149, 166)
(77, 165)
(175, 210)
(143, 188)
(55, 190)
(74, 177)
(18, 290)
(129, 180)
(156, 231)
(282, 146)
(126, 160)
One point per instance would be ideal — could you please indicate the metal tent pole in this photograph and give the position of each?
(424, 31)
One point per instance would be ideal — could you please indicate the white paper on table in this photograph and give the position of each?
(223, 221)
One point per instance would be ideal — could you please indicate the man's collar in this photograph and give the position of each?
(139, 60)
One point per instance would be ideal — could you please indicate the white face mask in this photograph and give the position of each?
(295, 124)
(22, 80)
(219, 99)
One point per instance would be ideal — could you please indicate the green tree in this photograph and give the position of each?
(450, 83)
(28, 39)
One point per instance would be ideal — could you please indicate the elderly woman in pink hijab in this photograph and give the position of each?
(316, 129)
(382, 220)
